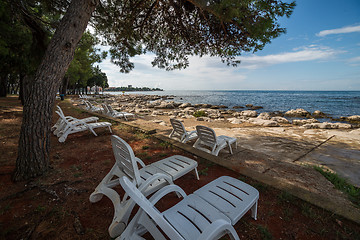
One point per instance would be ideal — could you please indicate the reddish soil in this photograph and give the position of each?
(56, 205)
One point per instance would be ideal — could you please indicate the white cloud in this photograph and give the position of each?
(209, 72)
(348, 29)
(309, 53)
(203, 73)
(354, 61)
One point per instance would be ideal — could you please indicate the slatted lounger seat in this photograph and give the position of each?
(148, 178)
(231, 196)
(208, 213)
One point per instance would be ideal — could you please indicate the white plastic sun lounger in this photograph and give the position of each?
(106, 110)
(180, 131)
(91, 107)
(208, 138)
(148, 179)
(60, 123)
(116, 114)
(70, 127)
(208, 213)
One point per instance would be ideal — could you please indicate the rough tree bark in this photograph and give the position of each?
(3, 83)
(34, 141)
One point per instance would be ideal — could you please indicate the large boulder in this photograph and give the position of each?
(235, 120)
(318, 114)
(237, 107)
(248, 113)
(264, 123)
(264, 116)
(156, 113)
(327, 125)
(297, 113)
(354, 118)
(280, 119)
(185, 105)
(304, 121)
(165, 105)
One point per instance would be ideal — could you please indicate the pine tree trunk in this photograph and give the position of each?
(64, 87)
(34, 142)
(3, 83)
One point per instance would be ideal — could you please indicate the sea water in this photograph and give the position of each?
(333, 103)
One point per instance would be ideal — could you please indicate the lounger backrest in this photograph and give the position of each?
(206, 134)
(125, 159)
(150, 211)
(87, 104)
(178, 126)
(111, 110)
(60, 110)
(62, 116)
(105, 107)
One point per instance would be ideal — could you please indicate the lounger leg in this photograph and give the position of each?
(197, 174)
(254, 210)
(230, 149)
(92, 130)
(110, 129)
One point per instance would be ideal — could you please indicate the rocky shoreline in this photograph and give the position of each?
(155, 105)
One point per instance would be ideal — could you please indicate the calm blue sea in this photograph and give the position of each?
(333, 103)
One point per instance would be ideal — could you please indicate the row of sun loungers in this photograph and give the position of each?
(108, 110)
(66, 125)
(206, 138)
(208, 213)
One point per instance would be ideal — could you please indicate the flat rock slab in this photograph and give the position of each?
(341, 159)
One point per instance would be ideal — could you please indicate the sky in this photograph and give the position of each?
(320, 51)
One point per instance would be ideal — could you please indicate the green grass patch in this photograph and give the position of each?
(308, 211)
(5, 209)
(145, 147)
(140, 135)
(265, 234)
(261, 187)
(166, 144)
(200, 114)
(76, 167)
(341, 184)
(204, 172)
(285, 197)
(40, 208)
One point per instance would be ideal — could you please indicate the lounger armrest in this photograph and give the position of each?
(152, 179)
(192, 132)
(140, 162)
(218, 229)
(166, 190)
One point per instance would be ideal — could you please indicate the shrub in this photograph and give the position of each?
(200, 114)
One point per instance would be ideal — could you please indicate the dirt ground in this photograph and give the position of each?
(56, 205)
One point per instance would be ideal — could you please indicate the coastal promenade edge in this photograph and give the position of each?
(348, 212)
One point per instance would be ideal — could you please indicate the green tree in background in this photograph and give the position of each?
(98, 78)
(25, 31)
(172, 29)
(81, 68)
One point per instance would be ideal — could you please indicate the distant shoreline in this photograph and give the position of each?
(132, 89)
(333, 103)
